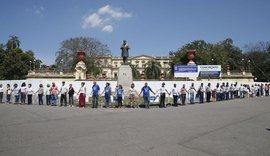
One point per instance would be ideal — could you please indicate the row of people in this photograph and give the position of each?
(219, 92)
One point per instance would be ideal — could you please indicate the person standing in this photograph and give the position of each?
(201, 93)
(132, 96)
(107, 91)
(231, 91)
(175, 94)
(70, 95)
(95, 93)
(1, 93)
(162, 91)
(82, 95)
(208, 91)
(120, 93)
(16, 93)
(63, 91)
(146, 94)
(192, 92)
(23, 93)
(48, 95)
(8, 92)
(40, 92)
(183, 93)
(54, 93)
(30, 93)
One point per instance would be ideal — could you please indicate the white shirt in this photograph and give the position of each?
(174, 91)
(16, 90)
(30, 91)
(82, 90)
(48, 92)
(23, 89)
(63, 90)
(162, 90)
(1, 90)
(132, 91)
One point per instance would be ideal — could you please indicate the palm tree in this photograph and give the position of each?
(135, 72)
(13, 42)
(152, 70)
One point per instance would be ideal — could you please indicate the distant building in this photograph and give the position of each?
(110, 64)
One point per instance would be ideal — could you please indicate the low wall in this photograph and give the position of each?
(155, 85)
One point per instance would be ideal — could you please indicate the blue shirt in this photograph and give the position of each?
(146, 90)
(95, 89)
(120, 92)
(107, 90)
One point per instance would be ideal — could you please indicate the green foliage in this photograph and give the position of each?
(14, 63)
(135, 72)
(152, 70)
(222, 53)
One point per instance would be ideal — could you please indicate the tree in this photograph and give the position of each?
(93, 48)
(222, 53)
(135, 72)
(13, 42)
(152, 70)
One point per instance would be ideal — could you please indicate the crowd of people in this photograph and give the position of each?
(206, 93)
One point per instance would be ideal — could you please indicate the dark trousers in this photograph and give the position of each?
(107, 100)
(48, 99)
(162, 100)
(29, 99)
(201, 97)
(70, 100)
(208, 96)
(1, 97)
(119, 101)
(8, 98)
(23, 97)
(40, 99)
(183, 98)
(63, 99)
(17, 98)
(95, 101)
(175, 98)
(232, 95)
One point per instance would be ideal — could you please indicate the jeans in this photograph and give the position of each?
(192, 96)
(120, 101)
(146, 100)
(40, 99)
(183, 98)
(107, 100)
(201, 97)
(17, 97)
(70, 100)
(53, 100)
(8, 98)
(95, 101)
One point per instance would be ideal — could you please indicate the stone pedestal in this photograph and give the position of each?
(125, 77)
(80, 73)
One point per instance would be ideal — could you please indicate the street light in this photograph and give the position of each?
(30, 62)
(212, 61)
(249, 65)
(34, 64)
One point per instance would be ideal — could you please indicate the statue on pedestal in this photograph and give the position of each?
(80, 68)
(125, 53)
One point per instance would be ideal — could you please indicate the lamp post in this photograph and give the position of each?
(212, 60)
(249, 65)
(30, 62)
(34, 64)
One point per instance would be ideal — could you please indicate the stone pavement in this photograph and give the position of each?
(235, 127)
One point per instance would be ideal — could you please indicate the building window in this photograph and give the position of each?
(143, 61)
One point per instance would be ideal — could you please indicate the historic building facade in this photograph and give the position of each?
(110, 64)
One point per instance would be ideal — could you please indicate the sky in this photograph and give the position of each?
(151, 27)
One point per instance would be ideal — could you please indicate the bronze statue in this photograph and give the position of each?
(124, 53)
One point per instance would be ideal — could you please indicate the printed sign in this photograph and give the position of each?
(185, 71)
(197, 71)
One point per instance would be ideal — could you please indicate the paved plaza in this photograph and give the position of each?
(237, 127)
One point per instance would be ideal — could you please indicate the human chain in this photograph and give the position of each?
(24, 94)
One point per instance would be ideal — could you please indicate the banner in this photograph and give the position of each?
(207, 71)
(185, 71)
